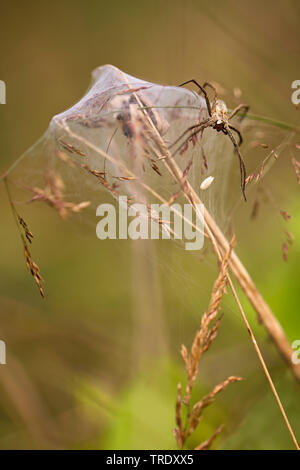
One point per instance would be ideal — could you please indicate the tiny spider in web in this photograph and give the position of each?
(219, 120)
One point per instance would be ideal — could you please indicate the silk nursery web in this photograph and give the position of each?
(114, 141)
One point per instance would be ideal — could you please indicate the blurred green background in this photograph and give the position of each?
(95, 364)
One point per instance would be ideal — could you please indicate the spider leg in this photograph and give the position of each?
(242, 164)
(200, 128)
(238, 133)
(202, 89)
(203, 123)
(236, 110)
(107, 149)
(215, 92)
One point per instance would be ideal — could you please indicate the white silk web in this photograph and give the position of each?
(106, 142)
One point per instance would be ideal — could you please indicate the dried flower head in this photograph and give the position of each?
(52, 194)
(203, 339)
(26, 236)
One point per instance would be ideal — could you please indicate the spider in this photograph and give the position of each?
(219, 120)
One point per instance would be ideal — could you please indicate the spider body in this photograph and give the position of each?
(220, 116)
(219, 119)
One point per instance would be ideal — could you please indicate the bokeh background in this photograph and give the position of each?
(95, 364)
